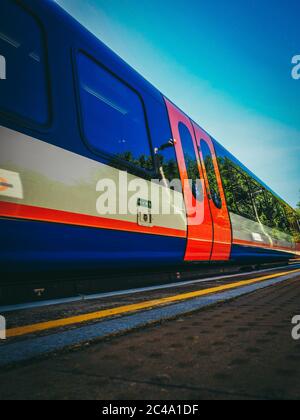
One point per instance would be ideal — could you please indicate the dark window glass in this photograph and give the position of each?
(168, 162)
(113, 116)
(190, 160)
(211, 174)
(24, 92)
(237, 189)
(261, 205)
(283, 220)
(241, 192)
(277, 220)
(272, 215)
(226, 169)
(268, 209)
(293, 222)
(247, 197)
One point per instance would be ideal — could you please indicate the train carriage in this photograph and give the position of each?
(72, 114)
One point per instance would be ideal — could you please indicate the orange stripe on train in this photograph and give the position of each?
(21, 211)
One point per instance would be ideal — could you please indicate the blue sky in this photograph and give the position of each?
(226, 63)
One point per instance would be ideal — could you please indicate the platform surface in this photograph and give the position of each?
(240, 349)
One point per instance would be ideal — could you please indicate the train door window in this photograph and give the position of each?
(24, 92)
(113, 117)
(211, 174)
(190, 160)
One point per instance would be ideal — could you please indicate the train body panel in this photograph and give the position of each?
(43, 246)
(60, 187)
(76, 119)
(55, 179)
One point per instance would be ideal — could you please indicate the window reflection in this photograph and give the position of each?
(211, 174)
(190, 161)
(113, 116)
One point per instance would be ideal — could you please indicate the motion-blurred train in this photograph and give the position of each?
(72, 113)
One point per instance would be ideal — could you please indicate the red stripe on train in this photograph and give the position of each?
(21, 211)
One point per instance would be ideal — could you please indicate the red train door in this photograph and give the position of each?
(200, 229)
(217, 201)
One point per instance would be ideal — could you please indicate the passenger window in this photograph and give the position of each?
(225, 168)
(260, 203)
(167, 161)
(190, 161)
(211, 174)
(268, 208)
(241, 193)
(293, 222)
(24, 93)
(283, 221)
(112, 115)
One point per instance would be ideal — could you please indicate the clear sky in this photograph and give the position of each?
(227, 63)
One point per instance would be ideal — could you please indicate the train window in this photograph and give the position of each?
(279, 219)
(292, 221)
(112, 115)
(284, 224)
(268, 208)
(274, 213)
(190, 160)
(260, 203)
(225, 169)
(241, 192)
(211, 174)
(167, 162)
(24, 91)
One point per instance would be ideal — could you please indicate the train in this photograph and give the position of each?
(75, 122)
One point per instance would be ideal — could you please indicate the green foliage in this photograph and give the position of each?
(236, 189)
(143, 161)
(246, 197)
(212, 180)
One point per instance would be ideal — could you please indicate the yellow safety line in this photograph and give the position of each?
(28, 329)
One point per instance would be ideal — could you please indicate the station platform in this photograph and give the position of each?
(237, 344)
